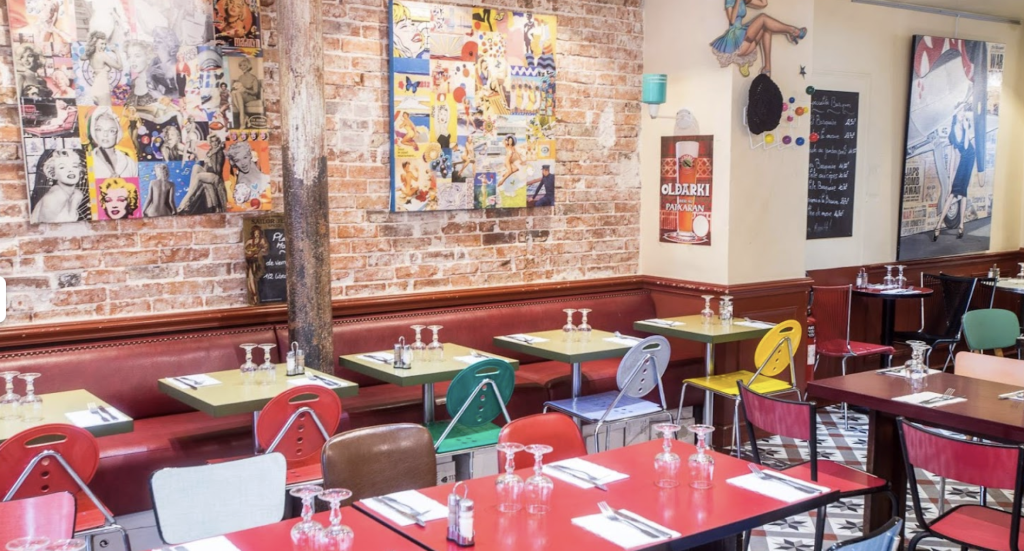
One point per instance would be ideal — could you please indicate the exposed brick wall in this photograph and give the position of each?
(133, 267)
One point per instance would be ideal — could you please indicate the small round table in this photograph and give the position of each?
(889, 298)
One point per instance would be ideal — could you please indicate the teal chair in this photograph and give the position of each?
(477, 396)
(991, 329)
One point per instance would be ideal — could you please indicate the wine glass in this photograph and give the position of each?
(305, 532)
(725, 310)
(248, 368)
(74, 544)
(1020, 274)
(31, 406)
(337, 536)
(419, 349)
(702, 465)
(584, 329)
(510, 485)
(435, 350)
(666, 463)
(888, 281)
(266, 371)
(568, 329)
(31, 543)
(901, 280)
(707, 315)
(9, 401)
(538, 486)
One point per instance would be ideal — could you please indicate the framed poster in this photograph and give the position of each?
(686, 173)
(265, 249)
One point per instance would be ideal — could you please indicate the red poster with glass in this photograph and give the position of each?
(686, 170)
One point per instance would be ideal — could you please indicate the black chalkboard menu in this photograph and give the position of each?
(833, 163)
(265, 265)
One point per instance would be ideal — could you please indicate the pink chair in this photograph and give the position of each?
(50, 515)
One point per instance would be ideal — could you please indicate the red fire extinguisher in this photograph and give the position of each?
(811, 352)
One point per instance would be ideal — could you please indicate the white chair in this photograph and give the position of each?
(193, 503)
(640, 371)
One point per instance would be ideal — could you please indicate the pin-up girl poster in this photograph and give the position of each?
(745, 39)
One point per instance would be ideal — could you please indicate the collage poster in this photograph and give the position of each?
(473, 108)
(139, 108)
(686, 173)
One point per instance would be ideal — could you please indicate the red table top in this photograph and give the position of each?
(918, 292)
(701, 516)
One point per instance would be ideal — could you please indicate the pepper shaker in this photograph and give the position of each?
(460, 517)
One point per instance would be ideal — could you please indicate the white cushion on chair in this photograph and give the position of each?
(192, 503)
(593, 407)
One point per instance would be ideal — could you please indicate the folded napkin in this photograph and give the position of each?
(528, 339)
(428, 508)
(621, 533)
(622, 340)
(902, 372)
(1015, 395)
(471, 359)
(921, 397)
(87, 418)
(775, 488)
(380, 357)
(219, 543)
(666, 323)
(200, 380)
(755, 324)
(299, 380)
(900, 291)
(601, 474)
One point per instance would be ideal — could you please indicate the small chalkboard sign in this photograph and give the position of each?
(265, 266)
(833, 163)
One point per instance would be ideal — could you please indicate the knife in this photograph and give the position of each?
(104, 409)
(326, 381)
(1012, 395)
(580, 475)
(381, 359)
(526, 340)
(405, 514)
(186, 383)
(645, 522)
(791, 483)
(936, 400)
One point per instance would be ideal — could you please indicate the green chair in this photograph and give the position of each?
(991, 329)
(477, 395)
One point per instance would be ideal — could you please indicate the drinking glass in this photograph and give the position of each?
(725, 310)
(266, 372)
(702, 465)
(337, 536)
(31, 543)
(1020, 274)
(435, 350)
(248, 368)
(419, 349)
(916, 366)
(305, 532)
(901, 280)
(666, 463)
(73, 544)
(583, 329)
(568, 330)
(707, 314)
(888, 281)
(510, 485)
(9, 401)
(31, 406)
(538, 486)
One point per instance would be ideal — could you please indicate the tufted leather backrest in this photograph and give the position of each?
(380, 460)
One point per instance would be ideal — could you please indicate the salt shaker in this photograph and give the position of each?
(403, 355)
(993, 272)
(862, 279)
(296, 361)
(460, 517)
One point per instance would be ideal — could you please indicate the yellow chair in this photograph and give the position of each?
(773, 355)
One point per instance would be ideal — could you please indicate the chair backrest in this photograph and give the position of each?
(956, 299)
(885, 538)
(788, 418)
(486, 403)
(379, 460)
(777, 347)
(554, 429)
(192, 503)
(990, 368)
(75, 446)
(831, 310)
(302, 439)
(991, 329)
(651, 357)
(51, 515)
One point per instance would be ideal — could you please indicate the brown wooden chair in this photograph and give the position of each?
(380, 460)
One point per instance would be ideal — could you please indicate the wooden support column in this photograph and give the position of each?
(300, 26)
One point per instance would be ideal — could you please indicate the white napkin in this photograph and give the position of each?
(525, 339)
(379, 357)
(603, 474)
(774, 489)
(88, 419)
(470, 359)
(219, 543)
(927, 395)
(902, 372)
(755, 324)
(432, 510)
(620, 533)
(303, 380)
(200, 380)
(899, 291)
(1017, 395)
(622, 340)
(666, 323)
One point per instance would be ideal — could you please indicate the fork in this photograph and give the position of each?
(476, 354)
(795, 485)
(613, 515)
(403, 506)
(95, 410)
(948, 395)
(627, 337)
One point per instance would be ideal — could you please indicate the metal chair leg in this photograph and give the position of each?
(736, 428)
(846, 418)
(819, 529)
(682, 396)
(942, 494)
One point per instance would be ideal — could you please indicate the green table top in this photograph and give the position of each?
(233, 396)
(56, 404)
(575, 351)
(421, 372)
(693, 329)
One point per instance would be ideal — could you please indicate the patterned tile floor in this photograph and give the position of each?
(845, 518)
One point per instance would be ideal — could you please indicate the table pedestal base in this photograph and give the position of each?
(428, 403)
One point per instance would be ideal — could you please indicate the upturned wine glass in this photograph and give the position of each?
(538, 486)
(9, 401)
(901, 280)
(667, 463)
(702, 465)
(888, 282)
(1020, 274)
(707, 315)
(568, 330)
(31, 543)
(435, 350)
(583, 330)
(305, 532)
(249, 367)
(509, 485)
(31, 405)
(419, 348)
(266, 372)
(337, 536)
(725, 310)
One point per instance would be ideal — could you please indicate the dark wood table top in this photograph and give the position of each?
(917, 292)
(983, 414)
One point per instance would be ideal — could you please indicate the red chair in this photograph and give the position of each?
(286, 426)
(50, 515)
(799, 420)
(554, 429)
(974, 462)
(57, 458)
(831, 310)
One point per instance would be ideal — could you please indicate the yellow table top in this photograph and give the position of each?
(421, 372)
(693, 329)
(575, 351)
(234, 396)
(57, 404)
